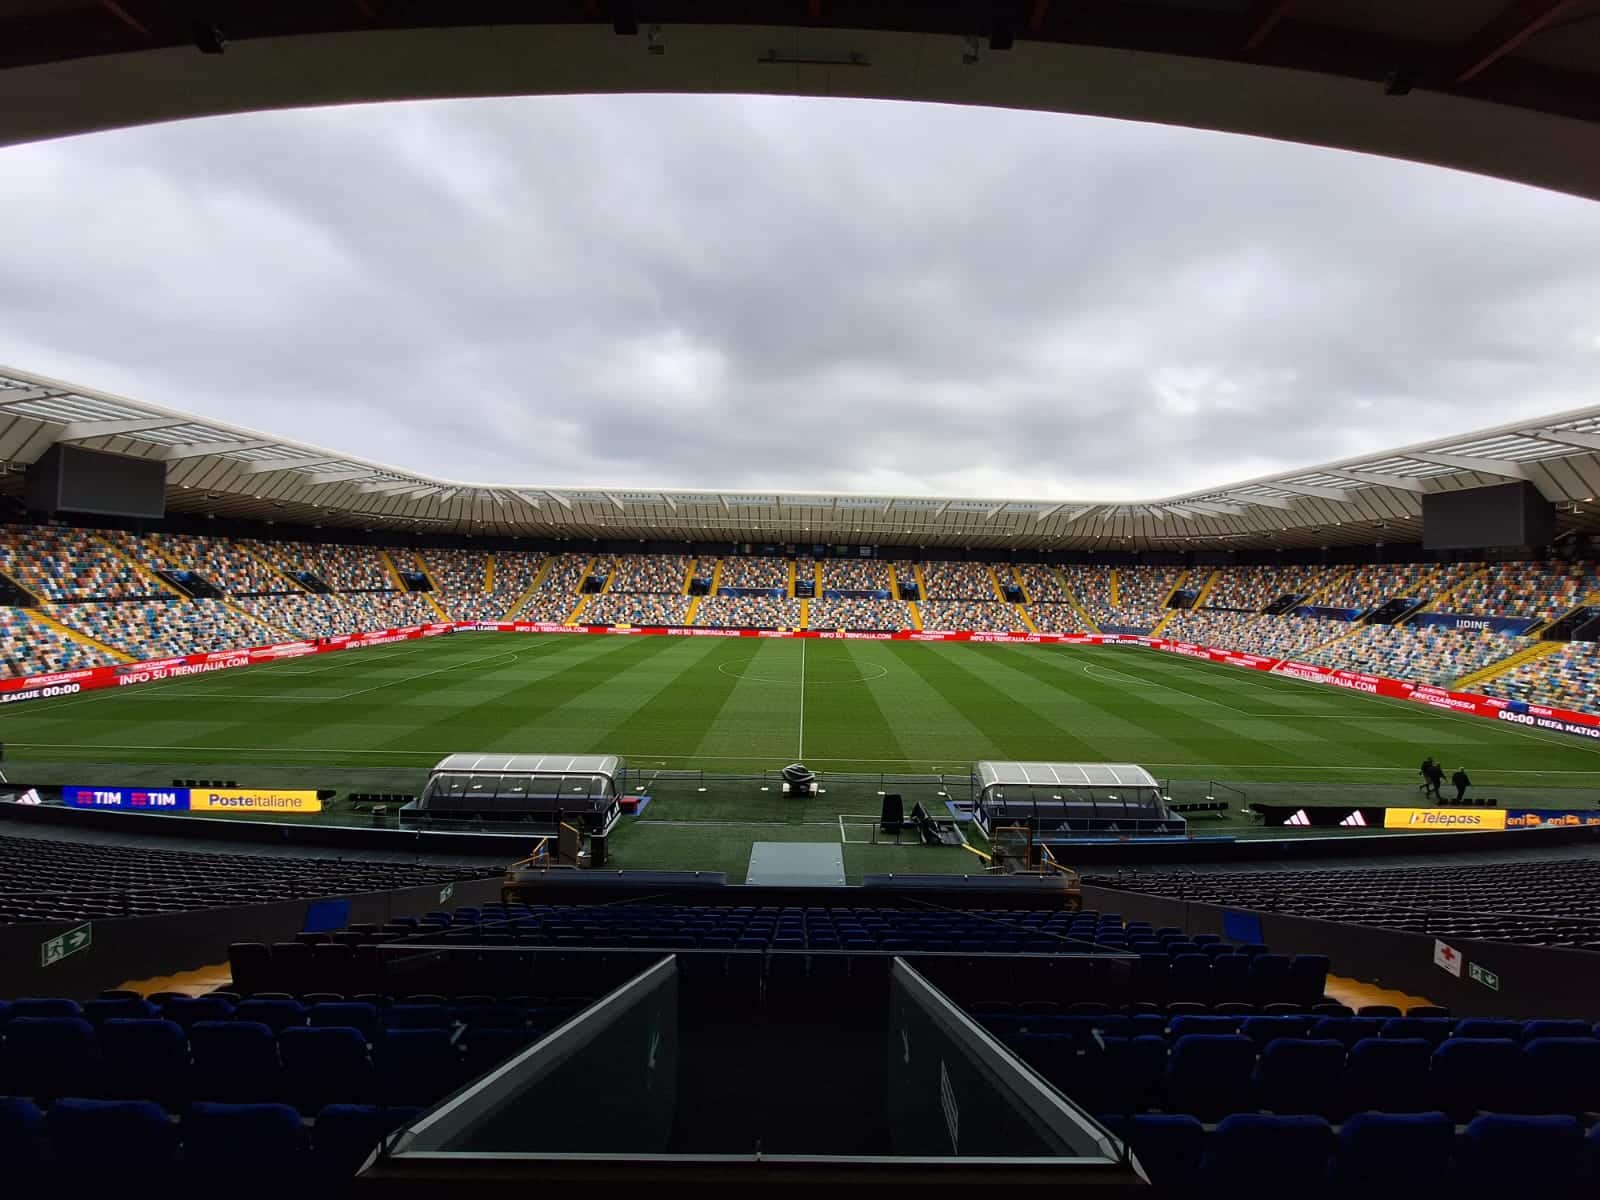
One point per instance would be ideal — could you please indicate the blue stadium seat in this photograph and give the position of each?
(97, 1012)
(323, 1066)
(45, 1006)
(416, 1066)
(1393, 1151)
(345, 1134)
(47, 1057)
(23, 1145)
(1262, 1030)
(1300, 1075)
(1432, 1030)
(1487, 1027)
(1347, 1030)
(244, 1141)
(1167, 1145)
(276, 1015)
(1190, 977)
(1520, 1156)
(146, 1059)
(417, 1016)
(1555, 1029)
(1269, 977)
(1563, 1074)
(186, 1010)
(1308, 975)
(349, 1014)
(120, 1136)
(1470, 1075)
(1230, 977)
(1388, 1073)
(1209, 1074)
(1260, 1154)
(234, 1061)
(1185, 1025)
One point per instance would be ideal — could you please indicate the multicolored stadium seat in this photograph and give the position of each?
(1542, 591)
(1568, 678)
(1251, 589)
(59, 563)
(1123, 598)
(752, 571)
(655, 574)
(635, 608)
(860, 614)
(958, 581)
(28, 647)
(748, 612)
(855, 574)
(1041, 584)
(1287, 636)
(990, 616)
(1057, 618)
(146, 629)
(1426, 654)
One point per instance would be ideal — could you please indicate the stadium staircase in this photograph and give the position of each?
(916, 614)
(688, 580)
(1562, 627)
(994, 582)
(894, 581)
(1089, 624)
(393, 571)
(583, 603)
(922, 584)
(140, 568)
(1168, 612)
(792, 578)
(530, 591)
(1499, 667)
(83, 639)
(14, 595)
(272, 570)
(1021, 612)
(1207, 588)
(1436, 603)
(805, 614)
(1016, 577)
(694, 607)
(1115, 586)
(488, 574)
(432, 594)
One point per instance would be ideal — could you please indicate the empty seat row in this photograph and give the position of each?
(1396, 1153)
(1211, 1074)
(307, 1066)
(130, 1137)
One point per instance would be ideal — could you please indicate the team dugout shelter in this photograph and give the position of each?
(1065, 801)
(542, 791)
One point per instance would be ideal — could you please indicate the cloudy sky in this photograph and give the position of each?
(766, 293)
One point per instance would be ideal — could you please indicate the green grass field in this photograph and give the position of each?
(376, 719)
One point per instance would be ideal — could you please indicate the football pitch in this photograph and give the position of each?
(376, 719)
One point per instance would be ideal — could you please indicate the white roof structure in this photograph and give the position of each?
(1063, 775)
(605, 765)
(228, 471)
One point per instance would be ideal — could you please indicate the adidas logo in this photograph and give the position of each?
(1299, 818)
(1354, 819)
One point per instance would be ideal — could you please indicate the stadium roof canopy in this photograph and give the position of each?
(228, 471)
(1502, 87)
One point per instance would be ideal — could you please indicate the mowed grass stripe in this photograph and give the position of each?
(675, 719)
(845, 716)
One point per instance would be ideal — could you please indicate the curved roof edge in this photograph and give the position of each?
(231, 471)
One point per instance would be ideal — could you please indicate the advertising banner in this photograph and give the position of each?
(194, 799)
(1509, 625)
(1444, 818)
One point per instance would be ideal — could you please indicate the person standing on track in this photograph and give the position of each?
(1426, 771)
(1462, 783)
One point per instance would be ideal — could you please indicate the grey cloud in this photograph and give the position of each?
(758, 293)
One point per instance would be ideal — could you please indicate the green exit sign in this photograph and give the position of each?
(1484, 976)
(64, 945)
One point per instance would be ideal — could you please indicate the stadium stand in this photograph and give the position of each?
(223, 562)
(341, 568)
(624, 608)
(1554, 902)
(748, 612)
(987, 615)
(655, 574)
(145, 629)
(1056, 618)
(1140, 594)
(855, 574)
(1429, 654)
(754, 571)
(860, 614)
(1252, 589)
(59, 563)
(1275, 637)
(388, 610)
(304, 616)
(1542, 591)
(43, 879)
(958, 581)
(1569, 678)
(29, 648)
(1365, 589)
(1042, 584)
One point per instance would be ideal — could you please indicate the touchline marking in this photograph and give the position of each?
(1089, 670)
(738, 758)
(800, 750)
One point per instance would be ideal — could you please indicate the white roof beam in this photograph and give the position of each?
(267, 465)
(386, 486)
(203, 449)
(1042, 514)
(1221, 510)
(559, 499)
(77, 431)
(24, 395)
(1565, 437)
(1266, 501)
(1483, 466)
(1319, 493)
(1406, 483)
(329, 478)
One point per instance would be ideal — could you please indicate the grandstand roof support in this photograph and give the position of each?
(1565, 437)
(1485, 466)
(202, 449)
(1406, 483)
(1265, 501)
(562, 500)
(1318, 493)
(1517, 22)
(385, 487)
(78, 431)
(25, 396)
(329, 478)
(267, 465)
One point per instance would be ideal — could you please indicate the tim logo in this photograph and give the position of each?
(154, 800)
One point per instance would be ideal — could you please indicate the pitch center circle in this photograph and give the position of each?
(811, 677)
